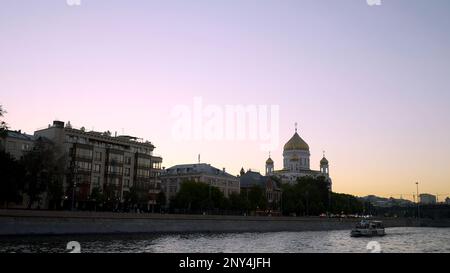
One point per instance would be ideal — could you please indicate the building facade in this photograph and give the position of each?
(271, 187)
(296, 162)
(17, 143)
(427, 199)
(172, 177)
(109, 163)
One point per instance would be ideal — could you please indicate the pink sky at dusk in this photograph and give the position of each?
(369, 85)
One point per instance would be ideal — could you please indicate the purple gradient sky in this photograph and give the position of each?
(370, 85)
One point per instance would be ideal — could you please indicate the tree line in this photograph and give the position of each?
(309, 196)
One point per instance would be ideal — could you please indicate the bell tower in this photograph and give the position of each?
(269, 166)
(324, 167)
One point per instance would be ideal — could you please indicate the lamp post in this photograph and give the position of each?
(418, 201)
(75, 171)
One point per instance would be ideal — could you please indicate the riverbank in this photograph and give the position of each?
(28, 222)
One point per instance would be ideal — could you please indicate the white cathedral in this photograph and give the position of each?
(296, 162)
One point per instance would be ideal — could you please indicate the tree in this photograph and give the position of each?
(161, 199)
(198, 196)
(3, 125)
(97, 197)
(308, 196)
(11, 179)
(345, 203)
(110, 196)
(237, 202)
(55, 191)
(43, 168)
(257, 198)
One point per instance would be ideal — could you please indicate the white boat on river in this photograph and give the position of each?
(368, 229)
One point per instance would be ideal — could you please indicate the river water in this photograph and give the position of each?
(409, 240)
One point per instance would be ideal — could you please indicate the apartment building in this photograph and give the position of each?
(16, 143)
(100, 160)
(172, 178)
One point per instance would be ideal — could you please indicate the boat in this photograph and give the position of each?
(368, 229)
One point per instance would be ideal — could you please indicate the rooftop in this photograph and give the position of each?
(106, 136)
(20, 135)
(201, 168)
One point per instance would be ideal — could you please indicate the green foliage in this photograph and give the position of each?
(238, 202)
(97, 196)
(11, 179)
(198, 196)
(308, 196)
(3, 125)
(345, 203)
(131, 197)
(256, 198)
(43, 169)
(161, 199)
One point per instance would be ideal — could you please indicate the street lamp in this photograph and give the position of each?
(418, 201)
(75, 171)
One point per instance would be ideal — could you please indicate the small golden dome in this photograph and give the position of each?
(296, 143)
(269, 161)
(324, 161)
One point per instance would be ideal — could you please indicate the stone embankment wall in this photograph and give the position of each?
(21, 222)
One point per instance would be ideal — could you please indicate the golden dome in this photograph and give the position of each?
(269, 161)
(324, 161)
(296, 143)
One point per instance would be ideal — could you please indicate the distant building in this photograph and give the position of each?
(17, 143)
(296, 163)
(271, 187)
(172, 177)
(377, 201)
(427, 199)
(99, 160)
(447, 201)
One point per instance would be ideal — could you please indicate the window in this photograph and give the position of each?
(126, 183)
(11, 145)
(97, 168)
(127, 160)
(98, 156)
(83, 153)
(85, 166)
(115, 169)
(25, 147)
(144, 162)
(118, 158)
(114, 181)
(127, 171)
(143, 173)
(96, 181)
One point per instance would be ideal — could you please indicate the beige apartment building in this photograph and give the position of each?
(100, 160)
(172, 178)
(16, 143)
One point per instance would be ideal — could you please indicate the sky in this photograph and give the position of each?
(367, 84)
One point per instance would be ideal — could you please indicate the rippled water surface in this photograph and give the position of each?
(396, 240)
